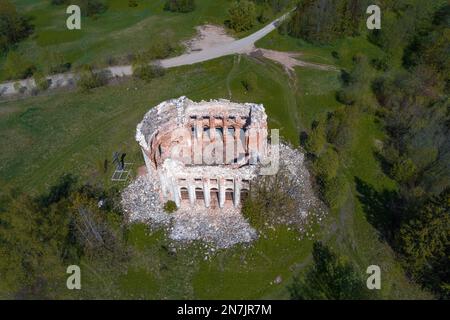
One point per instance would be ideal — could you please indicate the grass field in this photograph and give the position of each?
(102, 38)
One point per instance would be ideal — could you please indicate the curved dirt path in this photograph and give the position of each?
(245, 45)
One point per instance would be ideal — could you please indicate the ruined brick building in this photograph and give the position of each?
(203, 153)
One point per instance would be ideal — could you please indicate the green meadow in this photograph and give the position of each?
(111, 37)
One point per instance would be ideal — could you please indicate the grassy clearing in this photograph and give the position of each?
(101, 38)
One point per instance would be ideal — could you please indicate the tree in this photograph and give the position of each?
(316, 139)
(41, 236)
(425, 244)
(271, 200)
(179, 5)
(13, 26)
(324, 21)
(329, 278)
(242, 15)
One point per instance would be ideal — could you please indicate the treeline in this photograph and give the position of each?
(180, 5)
(41, 236)
(323, 21)
(415, 110)
(14, 27)
(245, 14)
(407, 90)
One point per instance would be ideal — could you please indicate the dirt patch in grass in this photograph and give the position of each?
(208, 36)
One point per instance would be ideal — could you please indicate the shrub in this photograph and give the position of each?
(170, 206)
(17, 67)
(327, 164)
(403, 170)
(90, 79)
(316, 139)
(271, 200)
(132, 3)
(55, 62)
(146, 71)
(333, 191)
(159, 49)
(42, 83)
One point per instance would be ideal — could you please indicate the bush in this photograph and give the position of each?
(42, 83)
(146, 71)
(403, 170)
(327, 164)
(179, 5)
(17, 67)
(271, 201)
(159, 49)
(333, 191)
(55, 62)
(170, 206)
(90, 79)
(242, 15)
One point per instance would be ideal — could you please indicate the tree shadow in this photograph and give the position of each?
(382, 209)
